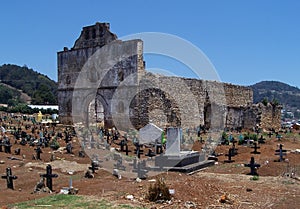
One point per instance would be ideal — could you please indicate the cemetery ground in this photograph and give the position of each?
(203, 189)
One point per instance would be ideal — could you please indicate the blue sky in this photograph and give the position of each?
(247, 41)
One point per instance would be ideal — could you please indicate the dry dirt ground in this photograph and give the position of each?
(201, 189)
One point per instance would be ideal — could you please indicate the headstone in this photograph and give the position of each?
(253, 167)
(173, 141)
(9, 178)
(49, 176)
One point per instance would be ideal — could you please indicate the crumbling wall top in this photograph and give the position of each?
(95, 35)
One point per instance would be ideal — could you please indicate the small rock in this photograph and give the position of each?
(30, 169)
(129, 197)
(152, 180)
(138, 180)
(249, 190)
(71, 172)
(2, 162)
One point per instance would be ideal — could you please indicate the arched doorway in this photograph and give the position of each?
(96, 113)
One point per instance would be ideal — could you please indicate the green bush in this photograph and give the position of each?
(254, 178)
(158, 191)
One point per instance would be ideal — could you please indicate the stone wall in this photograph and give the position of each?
(266, 117)
(93, 69)
(175, 101)
(112, 73)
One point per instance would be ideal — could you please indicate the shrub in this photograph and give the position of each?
(158, 191)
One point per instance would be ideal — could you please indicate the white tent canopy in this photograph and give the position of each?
(150, 134)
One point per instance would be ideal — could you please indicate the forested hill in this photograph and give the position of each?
(285, 94)
(20, 84)
(15, 80)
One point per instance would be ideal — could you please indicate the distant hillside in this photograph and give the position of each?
(21, 84)
(287, 95)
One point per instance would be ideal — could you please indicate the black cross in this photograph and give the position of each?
(49, 175)
(255, 147)
(261, 140)
(38, 151)
(9, 178)
(281, 152)
(253, 166)
(94, 166)
(69, 148)
(229, 156)
(234, 150)
(138, 151)
(270, 134)
(7, 146)
(122, 145)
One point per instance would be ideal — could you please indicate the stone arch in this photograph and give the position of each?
(156, 106)
(96, 104)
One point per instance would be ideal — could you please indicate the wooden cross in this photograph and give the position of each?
(9, 178)
(230, 154)
(281, 152)
(49, 175)
(255, 147)
(253, 166)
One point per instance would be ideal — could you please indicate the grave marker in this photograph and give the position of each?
(281, 152)
(253, 167)
(38, 151)
(49, 175)
(119, 165)
(173, 142)
(261, 140)
(94, 166)
(255, 147)
(138, 151)
(140, 169)
(69, 148)
(229, 156)
(9, 178)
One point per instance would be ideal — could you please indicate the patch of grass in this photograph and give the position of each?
(254, 178)
(68, 201)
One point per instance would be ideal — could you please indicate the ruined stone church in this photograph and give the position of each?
(103, 80)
